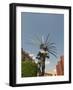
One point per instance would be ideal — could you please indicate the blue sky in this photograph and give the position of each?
(35, 25)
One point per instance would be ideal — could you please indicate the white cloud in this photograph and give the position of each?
(31, 55)
(47, 62)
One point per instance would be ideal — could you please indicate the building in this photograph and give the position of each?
(60, 66)
(25, 56)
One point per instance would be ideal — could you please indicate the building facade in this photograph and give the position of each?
(25, 56)
(60, 66)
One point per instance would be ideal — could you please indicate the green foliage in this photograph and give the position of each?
(28, 68)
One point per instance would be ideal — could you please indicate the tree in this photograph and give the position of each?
(28, 68)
